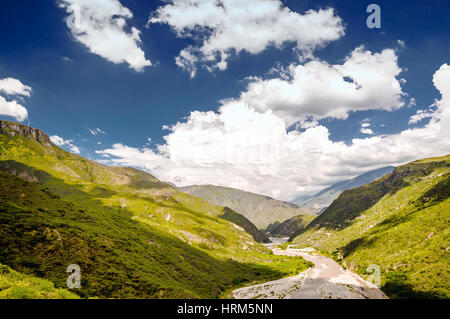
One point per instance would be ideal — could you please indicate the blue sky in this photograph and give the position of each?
(74, 90)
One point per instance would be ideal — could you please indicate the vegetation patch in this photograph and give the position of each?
(406, 232)
(125, 229)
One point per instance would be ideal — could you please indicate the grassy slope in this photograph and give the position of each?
(400, 222)
(14, 285)
(259, 209)
(132, 235)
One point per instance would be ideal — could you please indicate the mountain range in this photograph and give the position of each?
(325, 197)
(134, 236)
(259, 209)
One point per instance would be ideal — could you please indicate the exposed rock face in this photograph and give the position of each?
(14, 129)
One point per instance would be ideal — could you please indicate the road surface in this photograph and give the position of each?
(327, 279)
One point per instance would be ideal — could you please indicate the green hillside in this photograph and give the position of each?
(132, 235)
(14, 285)
(399, 222)
(259, 209)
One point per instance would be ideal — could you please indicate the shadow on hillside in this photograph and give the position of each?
(34, 175)
(101, 192)
(119, 257)
(140, 179)
(141, 184)
(355, 244)
(393, 221)
(28, 173)
(396, 286)
(240, 220)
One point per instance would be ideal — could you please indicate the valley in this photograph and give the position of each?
(134, 236)
(262, 210)
(195, 154)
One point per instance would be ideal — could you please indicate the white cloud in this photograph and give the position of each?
(419, 116)
(441, 81)
(412, 102)
(367, 131)
(96, 131)
(244, 148)
(221, 28)
(101, 26)
(12, 86)
(12, 108)
(365, 127)
(365, 81)
(59, 141)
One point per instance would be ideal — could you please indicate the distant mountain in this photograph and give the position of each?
(247, 225)
(259, 209)
(132, 235)
(325, 197)
(400, 223)
(289, 227)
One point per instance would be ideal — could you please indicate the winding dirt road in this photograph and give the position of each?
(327, 279)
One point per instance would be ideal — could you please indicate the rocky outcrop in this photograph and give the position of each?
(17, 129)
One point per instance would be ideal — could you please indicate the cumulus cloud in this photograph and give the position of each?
(441, 81)
(365, 81)
(59, 141)
(226, 27)
(101, 26)
(241, 147)
(13, 87)
(13, 109)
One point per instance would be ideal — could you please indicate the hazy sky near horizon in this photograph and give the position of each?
(276, 97)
